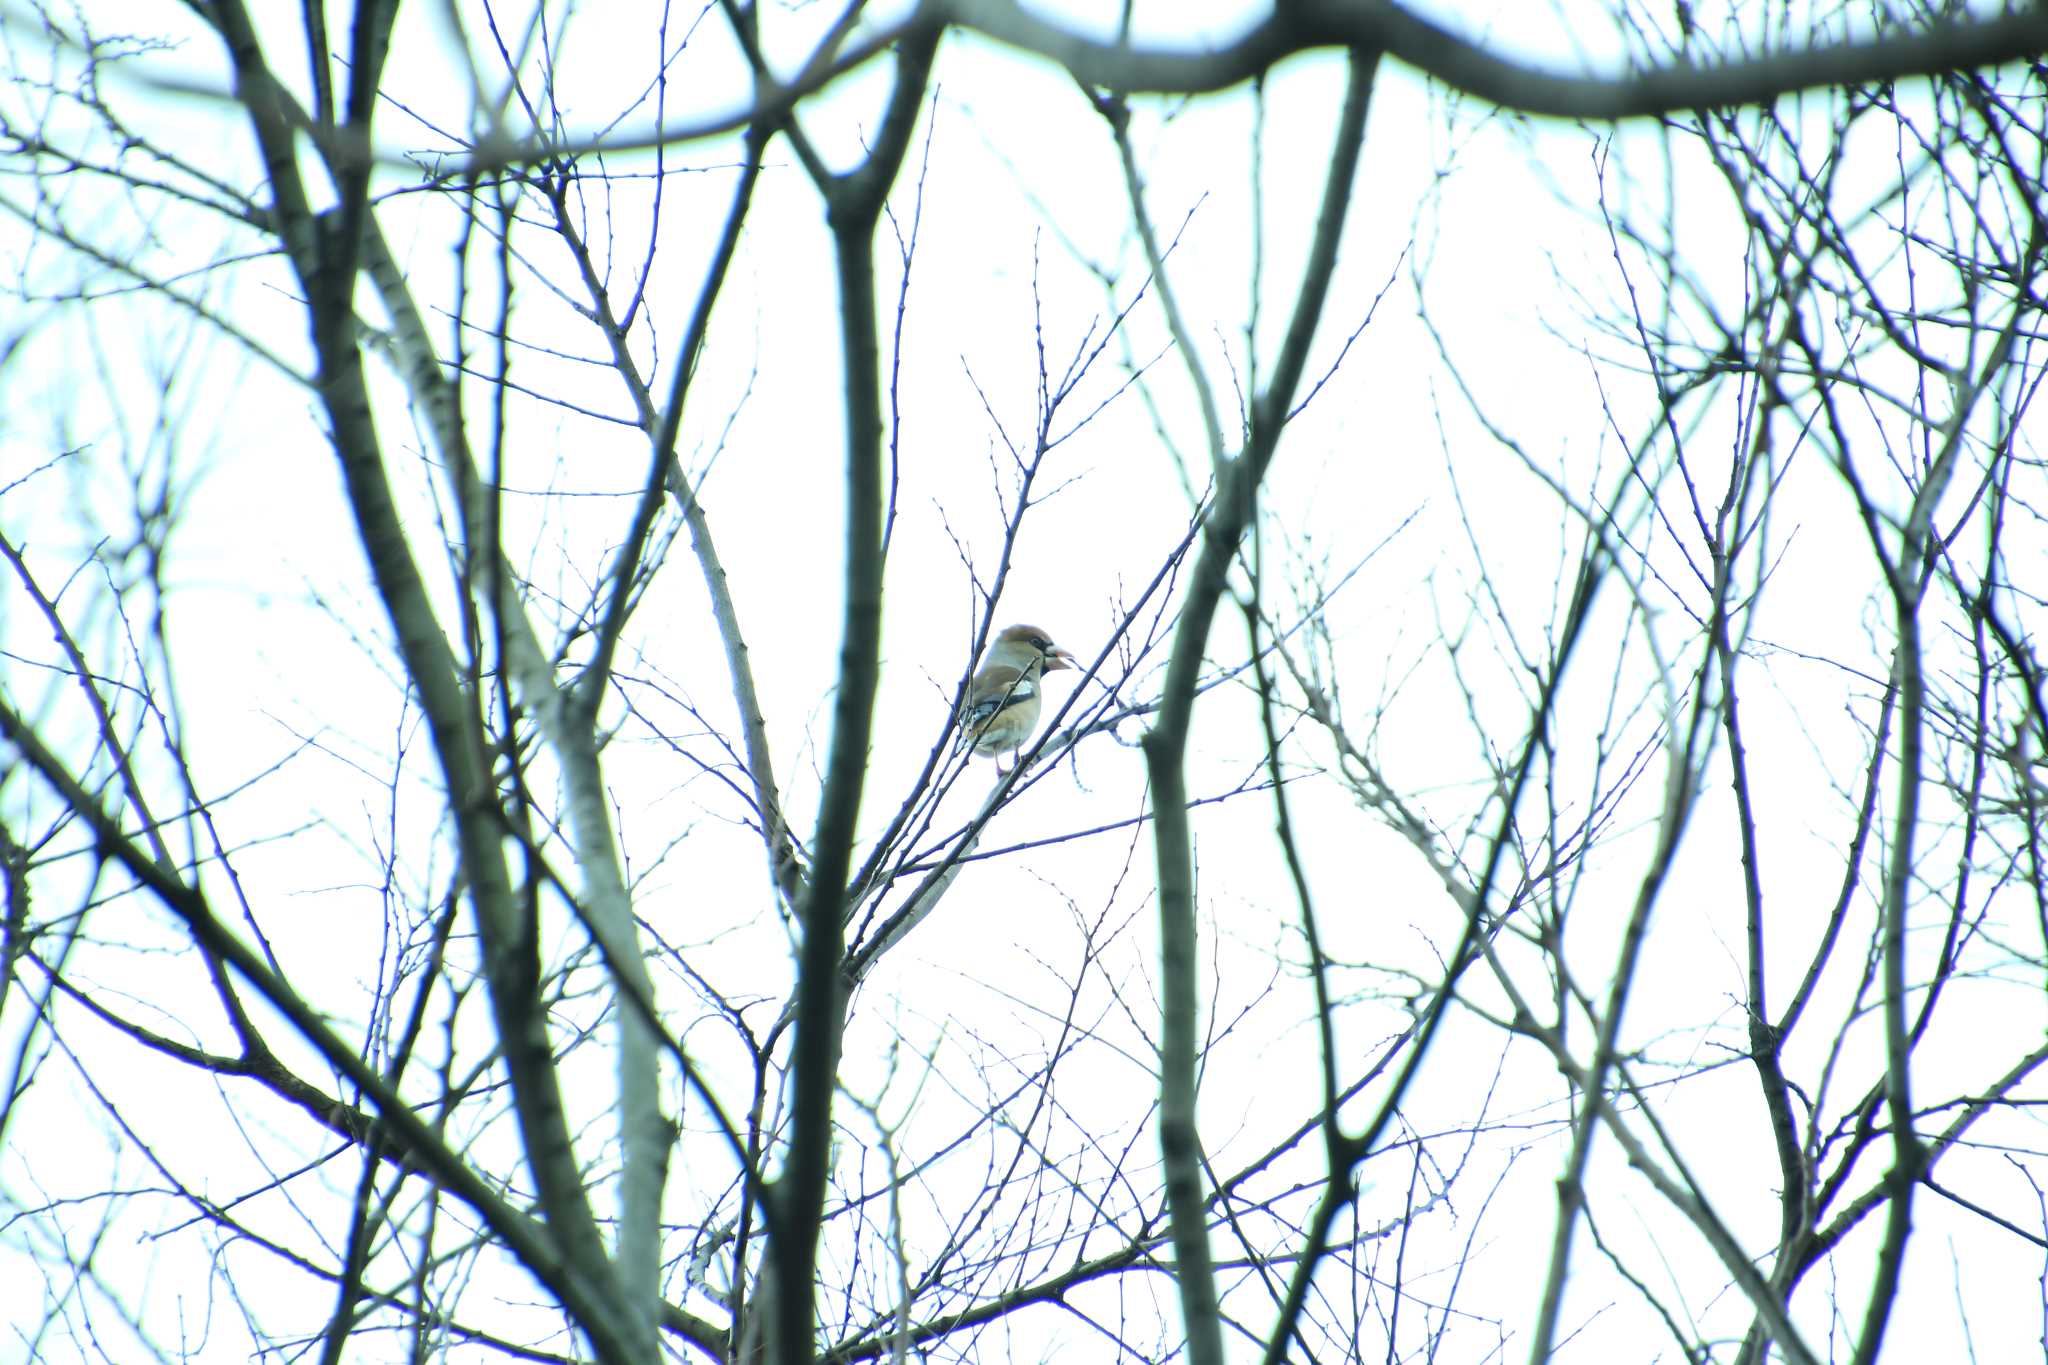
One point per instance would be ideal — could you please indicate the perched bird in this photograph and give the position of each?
(1001, 708)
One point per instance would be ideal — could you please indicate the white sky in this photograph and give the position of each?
(276, 635)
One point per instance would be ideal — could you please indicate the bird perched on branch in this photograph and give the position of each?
(1001, 708)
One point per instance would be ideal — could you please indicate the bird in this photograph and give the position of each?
(1001, 707)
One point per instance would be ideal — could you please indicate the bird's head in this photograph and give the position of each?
(1030, 640)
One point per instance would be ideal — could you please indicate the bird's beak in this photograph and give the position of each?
(1056, 659)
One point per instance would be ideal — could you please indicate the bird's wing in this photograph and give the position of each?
(996, 687)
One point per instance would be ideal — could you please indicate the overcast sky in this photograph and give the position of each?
(1479, 251)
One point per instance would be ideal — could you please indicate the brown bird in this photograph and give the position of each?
(1001, 708)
